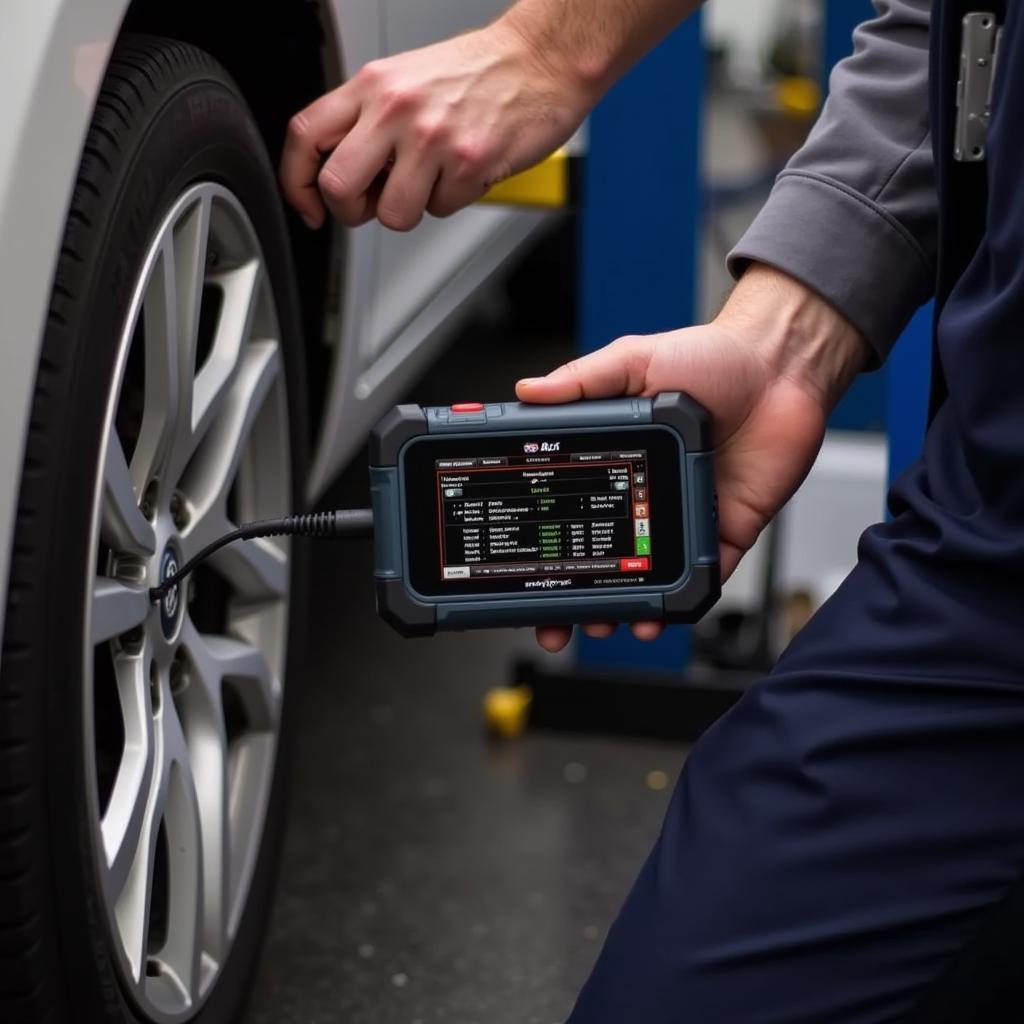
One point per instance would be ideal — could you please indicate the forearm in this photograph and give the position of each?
(797, 334)
(594, 41)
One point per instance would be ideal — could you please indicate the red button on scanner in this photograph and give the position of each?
(634, 564)
(468, 407)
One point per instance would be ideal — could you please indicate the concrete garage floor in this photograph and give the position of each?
(429, 873)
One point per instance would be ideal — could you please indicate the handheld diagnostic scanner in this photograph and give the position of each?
(504, 514)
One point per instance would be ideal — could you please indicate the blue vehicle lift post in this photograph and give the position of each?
(639, 223)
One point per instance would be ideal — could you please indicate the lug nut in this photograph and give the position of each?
(179, 511)
(132, 640)
(148, 504)
(154, 688)
(179, 676)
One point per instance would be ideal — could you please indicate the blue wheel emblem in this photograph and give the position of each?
(170, 606)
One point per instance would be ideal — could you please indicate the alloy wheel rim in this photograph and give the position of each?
(183, 698)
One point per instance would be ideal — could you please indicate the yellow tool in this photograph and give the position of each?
(507, 711)
(551, 184)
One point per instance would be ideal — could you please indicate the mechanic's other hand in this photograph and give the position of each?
(769, 369)
(429, 130)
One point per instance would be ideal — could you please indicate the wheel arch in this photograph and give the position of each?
(53, 56)
(282, 54)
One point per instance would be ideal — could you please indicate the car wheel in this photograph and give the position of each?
(142, 746)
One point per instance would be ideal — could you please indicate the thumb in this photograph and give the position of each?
(617, 369)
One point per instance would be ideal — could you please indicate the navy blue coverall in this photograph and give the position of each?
(847, 845)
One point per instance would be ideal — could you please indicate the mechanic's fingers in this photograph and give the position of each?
(455, 190)
(468, 168)
(641, 630)
(346, 181)
(553, 638)
(312, 133)
(647, 631)
(454, 199)
(617, 369)
(404, 197)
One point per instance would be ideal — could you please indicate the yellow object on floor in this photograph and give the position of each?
(507, 711)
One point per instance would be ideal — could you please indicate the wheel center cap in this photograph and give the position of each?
(171, 603)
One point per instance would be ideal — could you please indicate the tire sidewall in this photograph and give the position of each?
(202, 131)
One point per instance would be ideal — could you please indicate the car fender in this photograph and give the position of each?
(52, 58)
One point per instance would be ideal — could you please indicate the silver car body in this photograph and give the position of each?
(395, 299)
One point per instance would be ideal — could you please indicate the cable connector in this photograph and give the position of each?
(349, 522)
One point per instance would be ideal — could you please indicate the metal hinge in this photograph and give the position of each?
(979, 51)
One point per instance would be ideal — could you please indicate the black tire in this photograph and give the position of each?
(168, 115)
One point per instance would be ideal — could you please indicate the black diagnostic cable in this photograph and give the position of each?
(353, 522)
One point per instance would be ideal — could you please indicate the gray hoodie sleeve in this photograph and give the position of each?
(854, 214)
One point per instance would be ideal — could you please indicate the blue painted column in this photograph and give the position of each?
(841, 18)
(639, 224)
(864, 406)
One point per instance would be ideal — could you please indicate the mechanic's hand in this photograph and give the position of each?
(429, 130)
(769, 369)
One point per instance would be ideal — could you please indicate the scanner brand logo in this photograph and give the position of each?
(532, 447)
(550, 584)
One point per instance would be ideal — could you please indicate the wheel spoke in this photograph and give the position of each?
(215, 465)
(116, 608)
(123, 527)
(164, 393)
(182, 953)
(240, 289)
(220, 658)
(173, 307)
(133, 903)
(212, 661)
(252, 763)
(203, 719)
(191, 242)
(209, 768)
(122, 825)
